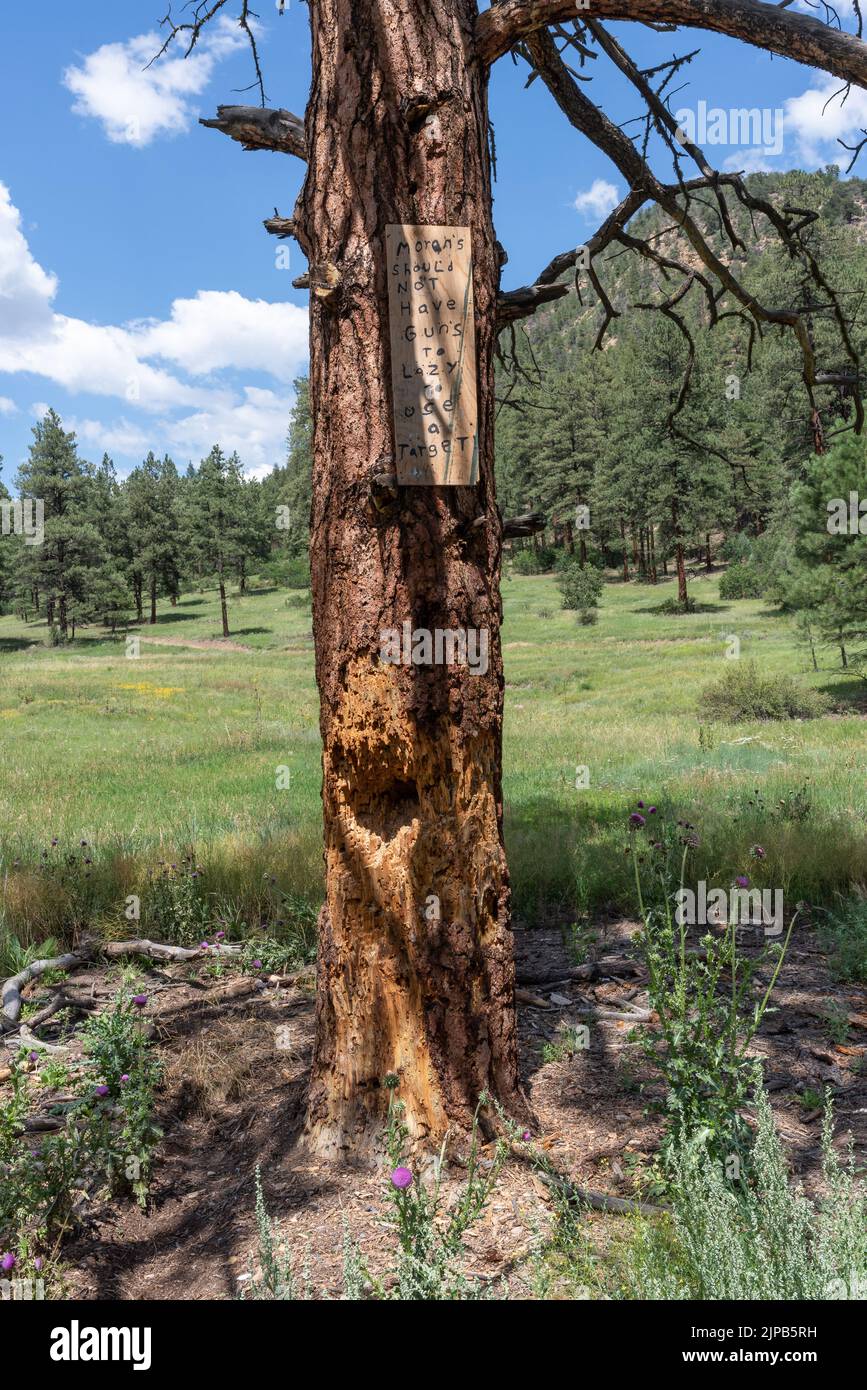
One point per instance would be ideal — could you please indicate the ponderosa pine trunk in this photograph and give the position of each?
(412, 793)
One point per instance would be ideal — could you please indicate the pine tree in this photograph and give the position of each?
(63, 568)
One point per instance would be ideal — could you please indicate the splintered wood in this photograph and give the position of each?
(433, 355)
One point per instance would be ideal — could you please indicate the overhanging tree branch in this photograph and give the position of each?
(591, 121)
(771, 27)
(258, 128)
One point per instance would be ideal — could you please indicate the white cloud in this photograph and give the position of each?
(26, 290)
(206, 337)
(749, 161)
(816, 123)
(136, 103)
(220, 328)
(98, 358)
(256, 427)
(120, 438)
(597, 200)
(7, 407)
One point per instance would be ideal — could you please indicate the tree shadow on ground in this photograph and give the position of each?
(847, 690)
(663, 610)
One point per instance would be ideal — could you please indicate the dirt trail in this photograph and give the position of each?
(203, 644)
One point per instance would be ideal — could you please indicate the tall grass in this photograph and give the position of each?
(176, 754)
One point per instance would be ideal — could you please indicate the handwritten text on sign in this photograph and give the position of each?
(433, 354)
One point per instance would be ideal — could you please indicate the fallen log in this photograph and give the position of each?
(600, 1201)
(10, 1001)
(609, 965)
(158, 950)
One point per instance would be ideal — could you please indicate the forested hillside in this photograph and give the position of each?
(631, 469)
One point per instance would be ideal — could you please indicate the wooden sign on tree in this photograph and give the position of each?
(433, 355)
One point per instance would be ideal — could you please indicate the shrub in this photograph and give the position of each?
(741, 580)
(755, 1240)
(534, 561)
(287, 571)
(844, 936)
(736, 548)
(581, 589)
(275, 1278)
(743, 693)
(174, 910)
(673, 608)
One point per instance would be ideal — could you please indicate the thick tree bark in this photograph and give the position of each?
(153, 616)
(415, 972)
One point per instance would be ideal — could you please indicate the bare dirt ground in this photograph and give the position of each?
(236, 1071)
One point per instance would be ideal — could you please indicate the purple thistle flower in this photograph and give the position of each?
(101, 1091)
(37, 1264)
(257, 965)
(139, 1000)
(526, 1136)
(401, 1178)
(640, 805)
(651, 810)
(203, 945)
(34, 1056)
(757, 852)
(124, 1078)
(742, 881)
(636, 820)
(220, 935)
(8, 1262)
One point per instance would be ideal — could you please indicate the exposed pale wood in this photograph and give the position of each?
(159, 951)
(10, 1001)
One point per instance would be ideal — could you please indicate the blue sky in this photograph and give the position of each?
(139, 294)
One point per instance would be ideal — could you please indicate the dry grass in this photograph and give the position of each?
(223, 1064)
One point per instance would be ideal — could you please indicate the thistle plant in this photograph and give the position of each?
(128, 1075)
(429, 1236)
(706, 1000)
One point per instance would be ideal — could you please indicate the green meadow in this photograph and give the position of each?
(176, 753)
